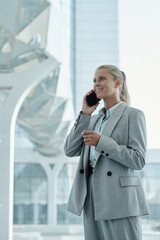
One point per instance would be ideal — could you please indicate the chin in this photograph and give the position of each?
(99, 96)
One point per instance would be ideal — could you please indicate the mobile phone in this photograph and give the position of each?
(92, 99)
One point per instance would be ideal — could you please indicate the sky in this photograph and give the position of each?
(139, 45)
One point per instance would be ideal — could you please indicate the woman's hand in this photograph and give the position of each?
(90, 137)
(86, 109)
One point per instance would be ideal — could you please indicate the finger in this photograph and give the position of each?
(87, 138)
(88, 93)
(85, 132)
(87, 142)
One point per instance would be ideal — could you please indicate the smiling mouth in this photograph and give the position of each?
(98, 90)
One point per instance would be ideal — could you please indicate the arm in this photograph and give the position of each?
(74, 141)
(134, 155)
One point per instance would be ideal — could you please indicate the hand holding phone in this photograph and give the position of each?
(90, 103)
(92, 99)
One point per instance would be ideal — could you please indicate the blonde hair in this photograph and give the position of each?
(117, 74)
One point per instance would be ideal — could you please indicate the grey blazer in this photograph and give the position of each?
(118, 190)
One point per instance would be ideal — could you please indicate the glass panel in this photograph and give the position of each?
(30, 10)
(151, 183)
(17, 56)
(41, 116)
(56, 141)
(23, 55)
(8, 17)
(19, 133)
(64, 183)
(6, 42)
(30, 194)
(152, 170)
(4, 92)
(63, 128)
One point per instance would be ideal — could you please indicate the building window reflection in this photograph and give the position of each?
(151, 182)
(30, 194)
(64, 183)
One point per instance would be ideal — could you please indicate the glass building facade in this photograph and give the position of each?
(97, 42)
(87, 42)
(151, 183)
(64, 183)
(85, 35)
(43, 174)
(30, 194)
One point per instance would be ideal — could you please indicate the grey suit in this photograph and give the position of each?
(122, 149)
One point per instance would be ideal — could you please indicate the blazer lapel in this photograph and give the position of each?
(113, 120)
(107, 131)
(93, 123)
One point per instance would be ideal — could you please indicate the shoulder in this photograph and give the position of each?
(135, 113)
(132, 110)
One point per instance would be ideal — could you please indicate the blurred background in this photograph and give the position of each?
(49, 50)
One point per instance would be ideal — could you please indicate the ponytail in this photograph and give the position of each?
(124, 95)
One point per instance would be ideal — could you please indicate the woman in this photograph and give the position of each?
(112, 148)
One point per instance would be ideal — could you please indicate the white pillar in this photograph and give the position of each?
(21, 84)
(52, 175)
(6, 176)
(52, 194)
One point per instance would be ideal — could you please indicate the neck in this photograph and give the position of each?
(108, 103)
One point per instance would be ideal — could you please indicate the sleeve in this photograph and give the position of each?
(132, 156)
(74, 141)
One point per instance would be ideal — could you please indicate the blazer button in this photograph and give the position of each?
(107, 154)
(102, 152)
(81, 171)
(109, 173)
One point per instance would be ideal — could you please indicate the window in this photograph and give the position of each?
(30, 194)
(151, 183)
(64, 183)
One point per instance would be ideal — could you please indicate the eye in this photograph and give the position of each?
(101, 78)
(94, 80)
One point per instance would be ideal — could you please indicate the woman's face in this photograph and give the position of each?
(104, 85)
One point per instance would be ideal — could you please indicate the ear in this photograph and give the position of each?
(118, 83)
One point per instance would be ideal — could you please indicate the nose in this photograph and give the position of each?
(96, 83)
